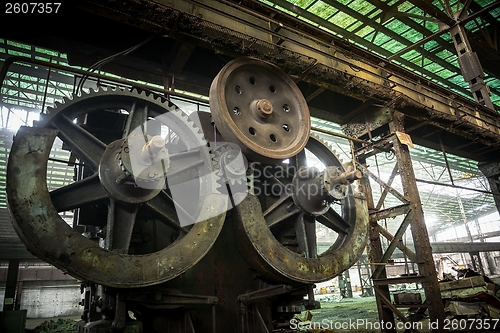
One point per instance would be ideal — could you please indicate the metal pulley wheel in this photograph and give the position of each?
(139, 233)
(278, 224)
(257, 106)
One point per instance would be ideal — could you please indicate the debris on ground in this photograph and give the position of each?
(56, 326)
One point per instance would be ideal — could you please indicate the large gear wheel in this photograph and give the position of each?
(281, 241)
(123, 201)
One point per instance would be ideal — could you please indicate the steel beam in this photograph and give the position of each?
(237, 28)
(420, 235)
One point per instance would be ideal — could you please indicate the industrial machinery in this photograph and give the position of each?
(189, 223)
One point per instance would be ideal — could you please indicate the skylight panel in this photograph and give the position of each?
(361, 6)
(412, 35)
(354, 26)
(393, 46)
(342, 19)
(302, 3)
(405, 6)
(364, 31)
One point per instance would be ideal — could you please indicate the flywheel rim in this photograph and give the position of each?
(257, 106)
(48, 236)
(276, 262)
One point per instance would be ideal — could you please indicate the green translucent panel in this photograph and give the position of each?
(19, 45)
(434, 67)
(302, 3)
(380, 39)
(375, 13)
(42, 58)
(412, 35)
(267, 2)
(471, 25)
(432, 26)
(364, 31)
(410, 55)
(354, 26)
(405, 6)
(446, 37)
(445, 54)
(446, 73)
(495, 13)
(396, 26)
(392, 2)
(361, 6)
(431, 45)
(17, 53)
(342, 19)
(322, 9)
(393, 46)
(47, 52)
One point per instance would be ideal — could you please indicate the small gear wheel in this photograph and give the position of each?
(230, 163)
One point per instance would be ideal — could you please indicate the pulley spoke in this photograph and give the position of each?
(83, 144)
(137, 118)
(75, 195)
(331, 219)
(280, 211)
(162, 207)
(305, 230)
(121, 221)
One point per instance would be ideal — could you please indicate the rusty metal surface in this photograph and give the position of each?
(35, 213)
(334, 66)
(423, 249)
(259, 107)
(49, 237)
(273, 259)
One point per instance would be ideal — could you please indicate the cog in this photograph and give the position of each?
(28, 190)
(230, 163)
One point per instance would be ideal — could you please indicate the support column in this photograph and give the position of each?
(491, 170)
(489, 260)
(419, 232)
(375, 253)
(470, 66)
(345, 284)
(364, 277)
(10, 287)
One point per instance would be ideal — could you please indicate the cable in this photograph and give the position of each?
(106, 60)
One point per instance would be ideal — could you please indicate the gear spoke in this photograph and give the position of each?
(83, 144)
(137, 118)
(280, 211)
(83, 192)
(161, 206)
(121, 221)
(305, 230)
(310, 228)
(332, 220)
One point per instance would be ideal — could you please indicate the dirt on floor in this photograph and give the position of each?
(357, 314)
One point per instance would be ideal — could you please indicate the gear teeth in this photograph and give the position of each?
(330, 147)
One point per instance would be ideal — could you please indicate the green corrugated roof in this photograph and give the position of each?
(388, 27)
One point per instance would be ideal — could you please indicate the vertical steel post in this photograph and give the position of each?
(375, 253)
(419, 232)
(10, 286)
